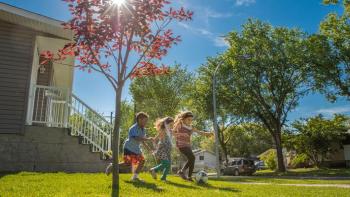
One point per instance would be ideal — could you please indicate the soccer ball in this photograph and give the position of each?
(201, 177)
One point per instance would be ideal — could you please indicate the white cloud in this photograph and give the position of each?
(221, 42)
(214, 14)
(204, 13)
(196, 30)
(218, 41)
(334, 110)
(244, 2)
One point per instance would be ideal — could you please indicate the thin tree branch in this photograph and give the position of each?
(146, 51)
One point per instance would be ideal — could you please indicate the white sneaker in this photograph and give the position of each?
(153, 174)
(137, 180)
(109, 168)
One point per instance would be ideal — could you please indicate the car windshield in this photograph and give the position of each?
(248, 162)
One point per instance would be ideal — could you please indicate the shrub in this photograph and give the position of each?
(300, 160)
(269, 159)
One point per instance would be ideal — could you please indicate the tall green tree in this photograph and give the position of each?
(202, 104)
(127, 120)
(164, 95)
(332, 72)
(318, 137)
(248, 139)
(266, 75)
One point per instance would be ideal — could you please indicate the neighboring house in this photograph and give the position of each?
(43, 125)
(204, 160)
(340, 158)
(347, 155)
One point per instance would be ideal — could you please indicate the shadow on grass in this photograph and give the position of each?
(235, 179)
(3, 174)
(208, 186)
(180, 185)
(145, 185)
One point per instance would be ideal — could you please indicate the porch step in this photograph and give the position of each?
(46, 149)
(80, 141)
(59, 107)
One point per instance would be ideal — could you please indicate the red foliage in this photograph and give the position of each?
(149, 69)
(104, 32)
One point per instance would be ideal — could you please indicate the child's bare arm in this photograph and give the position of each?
(146, 146)
(207, 134)
(142, 139)
(156, 138)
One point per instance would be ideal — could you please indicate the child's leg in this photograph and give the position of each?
(139, 167)
(137, 162)
(190, 159)
(191, 165)
(158, 167)
(166, 164)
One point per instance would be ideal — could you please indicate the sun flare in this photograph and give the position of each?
(118, 2)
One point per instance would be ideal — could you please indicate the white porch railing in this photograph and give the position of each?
(94, 128)
(50, 106)
(58, 107)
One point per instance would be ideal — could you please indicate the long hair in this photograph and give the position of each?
(180, 117)
(160, 123)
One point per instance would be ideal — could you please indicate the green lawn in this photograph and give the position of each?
(61, 184)
(284, 180)
(315, 172)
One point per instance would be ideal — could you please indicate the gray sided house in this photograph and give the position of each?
(43, 125)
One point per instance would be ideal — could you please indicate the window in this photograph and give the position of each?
(201, 158)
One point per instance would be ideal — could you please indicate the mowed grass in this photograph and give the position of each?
(282, 180)
(27, 184)
(312, 172)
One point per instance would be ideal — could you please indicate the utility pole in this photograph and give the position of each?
(215, 124)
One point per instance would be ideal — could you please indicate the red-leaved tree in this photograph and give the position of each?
(121, 40)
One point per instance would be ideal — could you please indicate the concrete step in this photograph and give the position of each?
(47, 150)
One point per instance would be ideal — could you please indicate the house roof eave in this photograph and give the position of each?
(34, 21)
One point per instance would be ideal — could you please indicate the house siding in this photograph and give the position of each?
(208, 162)
(44, 149)
(16, 51)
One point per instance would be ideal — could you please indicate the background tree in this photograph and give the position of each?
(332, 71)
(266, 75)
(269, 158)
(318, 137)
(163, 95)
(109, 34)
(248, 139)
(128, 119)
(202, 103)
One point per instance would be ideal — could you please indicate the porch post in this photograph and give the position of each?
(67, 108)
(31, 99)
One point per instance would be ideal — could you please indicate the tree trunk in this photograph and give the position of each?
(224, 150)
(115, 143)
(223, 144)
(278, 142)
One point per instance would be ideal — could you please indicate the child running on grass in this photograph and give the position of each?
(163, 152)
(132, 151)
(182, 131)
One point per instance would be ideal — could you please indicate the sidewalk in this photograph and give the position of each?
(347, 186)
(286, 177)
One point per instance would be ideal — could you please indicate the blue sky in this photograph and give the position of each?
(202, 38)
